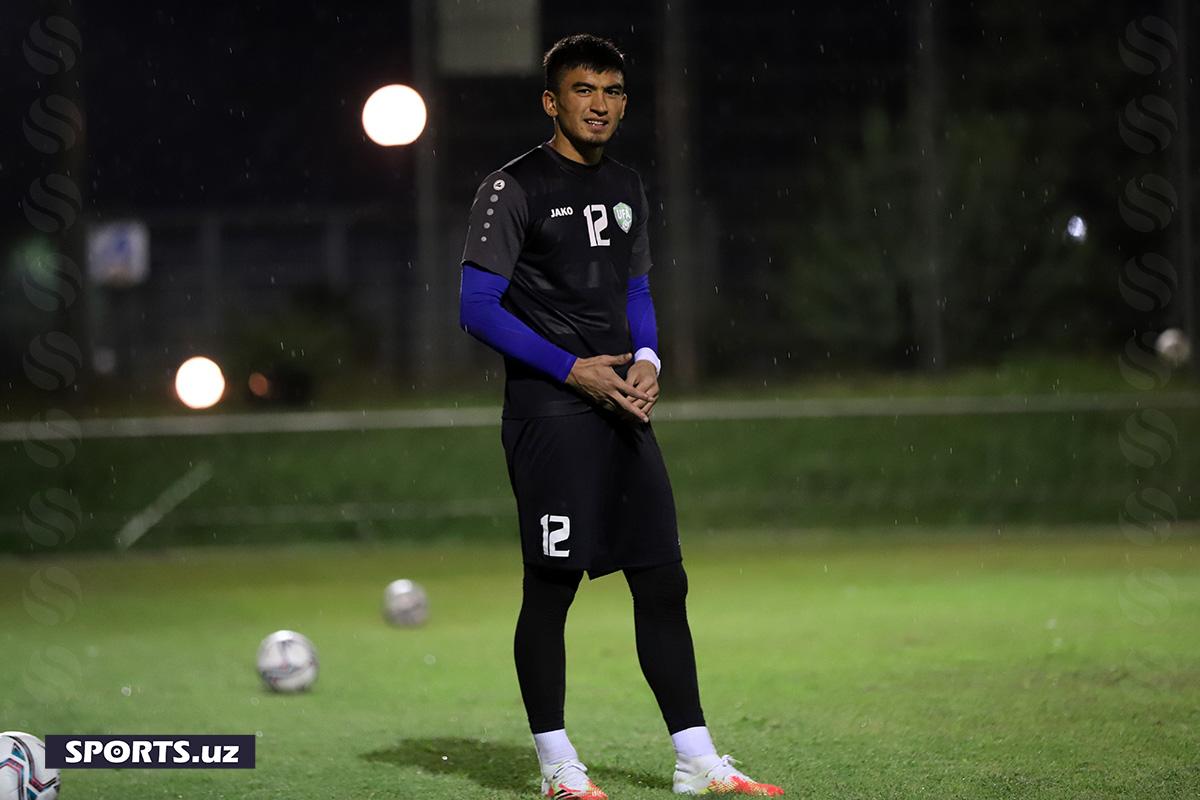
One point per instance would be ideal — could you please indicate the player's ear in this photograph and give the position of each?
(549, 103)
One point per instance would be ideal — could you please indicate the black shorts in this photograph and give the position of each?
(592, 493)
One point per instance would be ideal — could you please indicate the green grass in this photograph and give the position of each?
(1038, 664)
(988, 469)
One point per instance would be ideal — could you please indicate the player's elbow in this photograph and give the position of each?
(468, 315)
(468, 301)
(475, 309)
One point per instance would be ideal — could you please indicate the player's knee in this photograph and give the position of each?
(664, 586)
(550, 589)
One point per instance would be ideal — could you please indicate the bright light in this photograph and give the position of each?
(394, 115)
(1173, 347)
(259, 385)
(1077, 229)
(199, 383)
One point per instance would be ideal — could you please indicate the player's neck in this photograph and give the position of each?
(580, 154)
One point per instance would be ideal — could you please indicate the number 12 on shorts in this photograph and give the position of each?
(552, 538)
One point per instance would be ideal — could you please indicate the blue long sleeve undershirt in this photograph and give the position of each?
(482, 316)
(639, 309)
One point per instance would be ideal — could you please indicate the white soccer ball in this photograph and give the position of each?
(287, 661)
(23, 771)
(405, 603)
(1173, 347)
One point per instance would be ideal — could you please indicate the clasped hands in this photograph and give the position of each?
(632, 397)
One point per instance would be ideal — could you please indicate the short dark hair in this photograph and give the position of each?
(581, 50)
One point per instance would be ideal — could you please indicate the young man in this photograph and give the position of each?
(554, 277)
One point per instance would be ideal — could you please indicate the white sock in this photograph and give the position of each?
(693, 743)
(553, 746)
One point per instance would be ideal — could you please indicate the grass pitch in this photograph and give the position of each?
(1037, 468)
(961, 664)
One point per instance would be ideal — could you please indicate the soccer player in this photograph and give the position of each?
(554, 277)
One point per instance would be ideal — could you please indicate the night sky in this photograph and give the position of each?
(191, 104)
(232, 107)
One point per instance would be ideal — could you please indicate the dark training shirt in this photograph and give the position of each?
(568, 237)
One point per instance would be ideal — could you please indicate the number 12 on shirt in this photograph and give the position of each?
(597, 222)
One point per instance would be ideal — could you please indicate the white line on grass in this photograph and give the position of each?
(683, 410)
(317, 513)
(172, 496)
(301, 514)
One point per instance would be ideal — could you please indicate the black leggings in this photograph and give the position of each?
(664, 643)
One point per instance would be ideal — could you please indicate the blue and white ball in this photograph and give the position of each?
(287, 661)
(23, 771)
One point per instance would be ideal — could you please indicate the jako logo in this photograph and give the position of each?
(565, 211)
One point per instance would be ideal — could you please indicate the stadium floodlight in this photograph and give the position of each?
(199, 383)
(394, 115)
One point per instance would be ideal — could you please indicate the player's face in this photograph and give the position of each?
(588, 106)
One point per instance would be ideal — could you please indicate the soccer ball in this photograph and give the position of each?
(287, 661)
(1173, 347)
(405, 604)
(23, 771)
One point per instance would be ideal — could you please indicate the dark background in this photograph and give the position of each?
(805, 202)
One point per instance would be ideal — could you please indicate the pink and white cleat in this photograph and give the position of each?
(716, 775)
(568, 780)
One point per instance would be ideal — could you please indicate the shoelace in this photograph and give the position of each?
(724, 769)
